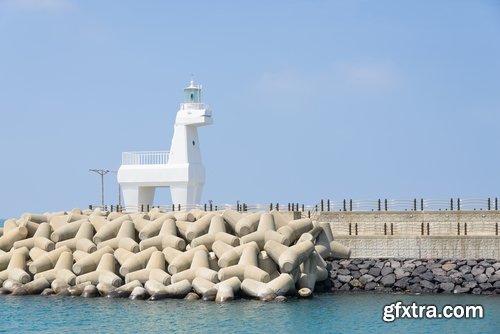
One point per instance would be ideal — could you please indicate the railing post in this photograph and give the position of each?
(328, 205)
(489, 203)
(350, 229)
(379, 205)
(173, 207)
(496, 203)
(414, 204)
(458, 204)
(288, 206)
(211, 207)
(451, 204)
(179, 207)
(350, 205)
(344, 205)
(303, 208)
(205, 207)
(322, 208)
(142, 207)
(392, 229)
(277, 207)
(147, 208)
(421, 204)
(385, 228)
(90, 206)
(309, 214)
(111, 208)
(271, 207)
(385, 204)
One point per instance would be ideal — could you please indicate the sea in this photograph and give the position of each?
(324, 313)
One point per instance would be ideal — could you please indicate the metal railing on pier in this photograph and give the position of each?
(452, 204)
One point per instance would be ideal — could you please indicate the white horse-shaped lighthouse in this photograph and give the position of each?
(181, 169)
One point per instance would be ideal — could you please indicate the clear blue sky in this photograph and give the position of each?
(311, 99)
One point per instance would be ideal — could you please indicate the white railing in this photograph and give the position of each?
(193, 105)
(145, 158)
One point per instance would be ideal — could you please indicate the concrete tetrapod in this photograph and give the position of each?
(124, 239)
(46, 261)
(295, 228)
(9, 238)
(289, 258)
(179, 261)
(232, 217)
(137, 261)
(153, 228)
(89, 263)
(155, 270)
(280, 286)
(67, 231)
(62, 270)
(266, 223)
(167, 237)
(40, 239)
(247, 266)
(199, 268)
(125, 290)
(16, 269)
(104, 273)
(216, 231)
(174, 290)
(247, 224)
(34, 287)
(82, 240)
(200, 227)
(109, 230)
(312, 270)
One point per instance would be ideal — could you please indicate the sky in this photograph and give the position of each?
(311, 99)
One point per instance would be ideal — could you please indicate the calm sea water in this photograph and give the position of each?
(325, 313)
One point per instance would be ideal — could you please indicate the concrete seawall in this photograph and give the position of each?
(417, 234)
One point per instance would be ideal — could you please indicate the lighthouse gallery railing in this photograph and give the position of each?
(145, 158)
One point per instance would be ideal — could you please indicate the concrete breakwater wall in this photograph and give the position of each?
(209, 255)
(480, 276)
(417, 234)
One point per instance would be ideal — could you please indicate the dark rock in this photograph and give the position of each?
(344, 278)
(460, 289)
(471, 262)
(496, 265)
(336, 284)
(447, 287)
(343, 272)
(477, 270)
(461, 263)
(470, 285)
(427, 285)
(366, 278)
(388, 280)
(486, 286)
(355, 274)
(335, 265)
(352, 267)
(280, 299)
(333, 274)
(415, 288)
(363, 271)
(395, 264)
(429, 276)
(468, 277)
(379, 264)
(415, 279)
(465, 269)
(192, 296)
(345, 287)
(377, 279)
(476, 291)
(448, 266)
(355, 283)
(496, 285)
(374, 271)
(344, 263)
(481, 278)
(402, 283)
(370, 286)
(485, 263)
(408, 266)
(438, 271)
(489, 271)
(4, 291)
(442, 279)
(356, 261)
(400, 273)
(419, 270)
(364, 265)
(386, 271)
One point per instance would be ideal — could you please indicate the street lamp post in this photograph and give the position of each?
(101, 172)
